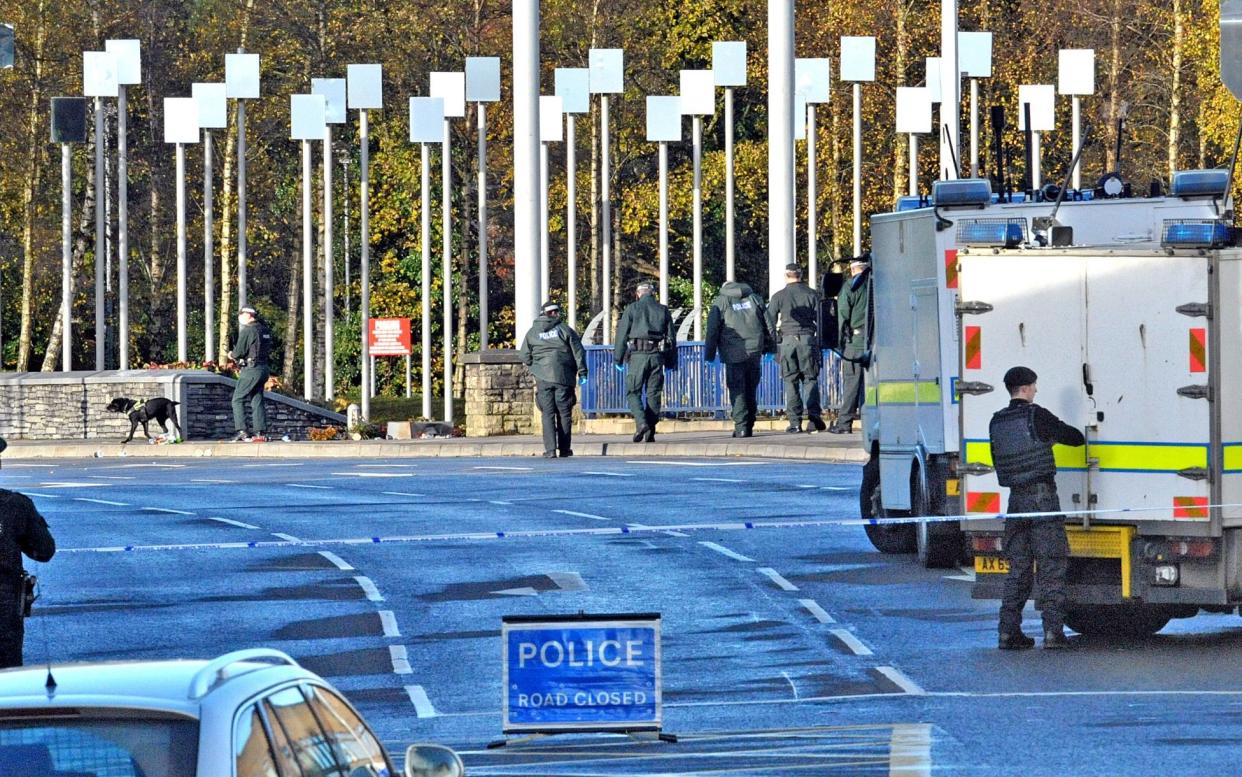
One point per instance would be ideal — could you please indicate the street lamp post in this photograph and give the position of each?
(858, 66)
(664, 127)
(213, 110)
(99, 80)
(1076, 77)
(1042, 100)
(333, 91)
(607, 68)
(728, 71)
(551, 130)
(180, 128)
(365, 89)
(426, 127)
(974, 54)
(241, 83)
(128, 54)
(780, 139)
(482, 87)
(573, 86)
(6, 62)
(698, 99)
(914, 117)
(68, 127)
(308, 122)
(812, 85)
(451, 87)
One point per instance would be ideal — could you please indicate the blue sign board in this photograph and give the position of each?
(582, 673)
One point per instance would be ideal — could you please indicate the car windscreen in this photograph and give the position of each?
(79, 746)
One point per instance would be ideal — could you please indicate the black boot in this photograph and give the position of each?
(640, 433)
(1015, 641)
(1054, 639)
(650, 435)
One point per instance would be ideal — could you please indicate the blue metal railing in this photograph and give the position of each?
(696, 386)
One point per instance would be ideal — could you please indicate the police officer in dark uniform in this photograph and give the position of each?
(793, 314)
(853, 309)
(251, 353)
(1022, 436)
(644, 334)
(553, 351)
(737, 330)
(22, 531)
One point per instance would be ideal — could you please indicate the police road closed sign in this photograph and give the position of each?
(581, 673)
(390, 337)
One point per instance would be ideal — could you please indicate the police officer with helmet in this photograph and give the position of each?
(22, 532)
(553, 352)
(644, 341)
(1022, 436)
(793, 314)
(251, 353)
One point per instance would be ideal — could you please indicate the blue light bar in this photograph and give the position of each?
(912, 202)
(964, 191)
(1009, 233)
(1200, 183)
(1201, 233)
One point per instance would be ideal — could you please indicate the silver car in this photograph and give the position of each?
(251, 713)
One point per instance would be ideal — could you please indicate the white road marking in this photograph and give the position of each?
(517, 592)
(581, 515)
(389, 621)
(231, 522)
(45, 496)
(374, 474)
(498, 502)
(286, 537)
(148, 466)
(805, 486)
(212, 481)
(110, 477)
(850, 641)
(837, 488)
(71, 484)
(385, 466)
(700, 463)
(422, 705)
(100, 501)
(776, 577)
(789, 680)
(307, 485)
(645, 526)
(611, 474)
(568, 581)
(719, 480)
(909, 750)
(400, 659)
(398, 493)
(820, 613)
(369, 589)
(721, 549)
(901, 681)
(165, 510)
(337, 561)
(506, 469)
(968, 575)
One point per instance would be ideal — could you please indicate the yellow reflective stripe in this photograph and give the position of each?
(1116, 456)
(1233, 457)
(1104, 542)
(906, 392)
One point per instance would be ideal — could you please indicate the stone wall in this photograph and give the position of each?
(500, 394)
(72, 405)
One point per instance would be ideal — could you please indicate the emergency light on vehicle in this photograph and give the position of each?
(1200, 183)
(912, 202)
(962, 192)
(1009, 233)
(1196, 233)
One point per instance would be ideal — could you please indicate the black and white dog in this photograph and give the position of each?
(159, 410)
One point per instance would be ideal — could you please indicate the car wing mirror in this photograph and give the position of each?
(433, 761)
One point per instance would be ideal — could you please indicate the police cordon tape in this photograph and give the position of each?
(615, 531)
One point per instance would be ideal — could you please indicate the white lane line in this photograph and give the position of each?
(45, 496)
(805, 486)
(901, 681)
(422, 705)
(72, 484)
(837, 488)
(389, 621)
(611, 474)
(374, 474)
(400, 659)
(212, 481)
(699, 463)
(721, 549)
(776, 577)
(337, 561)
(165, 510)
(100, 501)
(850, 641)
(306, 485)
(386, 466)
(110, 477)
(581, 515)
(148, 466)
(286, 537)
(398, 493)
(498, 502)
(719, 480)
(910, 750)
(820, 613)
(231, 522)
(505, 469)
(369, 589)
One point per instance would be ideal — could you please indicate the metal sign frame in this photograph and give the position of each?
(857, 58)
(181, 120)
(664, 119)
(99, 77)
(426, 120)
(551, 119)
(698, 93)
(241, 76)
(573, 86)
(974, 54)
(1042, 98)
(213, 105)
(567, 623)
(452, 88)
(335, 91)
(307, 116)
(729, 62)
(128, 54)
(364, 87)
(1076, 72)
(812, 81)
(482, 79)
(607, 68)
(1231, 46)
(6, 46)
(914, 110)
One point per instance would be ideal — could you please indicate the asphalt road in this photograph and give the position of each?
(786, 651)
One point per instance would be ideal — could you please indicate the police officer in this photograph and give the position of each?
(793, 315)
(737, 331)
(1022, 436)
(644, 334)
(251, 353)
(553, 351)
(22, 531)
(853, 305)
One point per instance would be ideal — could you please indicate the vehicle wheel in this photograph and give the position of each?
(886, 538)
(1118, 621)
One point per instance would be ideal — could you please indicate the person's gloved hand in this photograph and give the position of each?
(619, 367)
(582, 378)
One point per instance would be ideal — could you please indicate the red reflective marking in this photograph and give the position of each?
(950, 268)
(974, 348)
(1190, 507)
(1198, 350)
(983, 502)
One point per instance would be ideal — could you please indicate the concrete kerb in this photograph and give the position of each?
(387, 449)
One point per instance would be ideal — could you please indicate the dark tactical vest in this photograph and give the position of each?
(1018, 454)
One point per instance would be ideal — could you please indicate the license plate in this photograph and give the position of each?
(991, 565)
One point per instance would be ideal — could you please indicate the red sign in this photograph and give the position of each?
(390, 337)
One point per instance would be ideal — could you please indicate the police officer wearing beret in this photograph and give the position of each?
(22, 532)
(251, 353)
(1022, 436)
(853, 311)
(644, 340)
(553, 352)
(793, 314)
